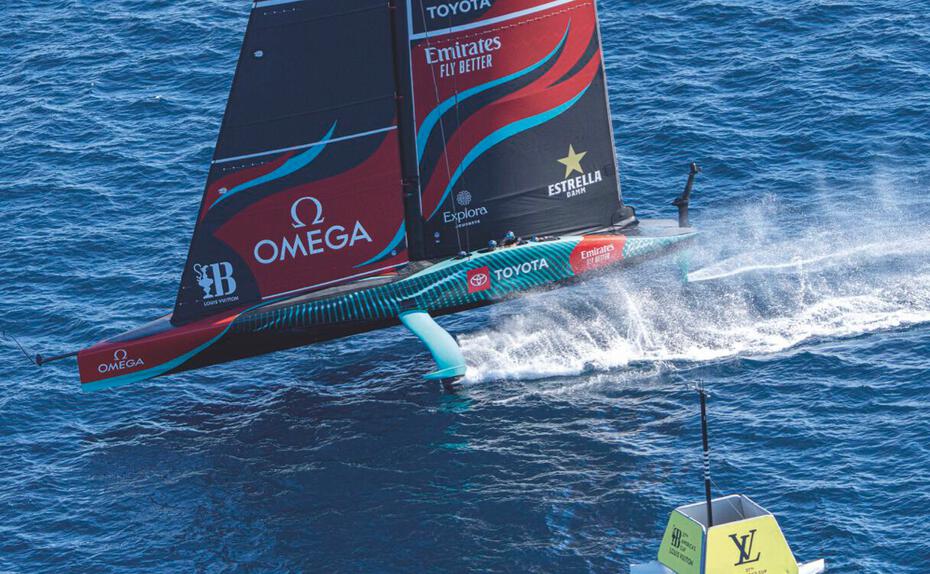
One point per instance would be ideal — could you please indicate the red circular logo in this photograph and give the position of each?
(479, 279)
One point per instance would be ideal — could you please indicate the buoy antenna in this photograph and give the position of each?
(710, 508)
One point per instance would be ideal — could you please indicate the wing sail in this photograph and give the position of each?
(305, 189)
(513, 130)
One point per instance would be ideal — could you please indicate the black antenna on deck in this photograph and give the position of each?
(710, 510)
(683, 201)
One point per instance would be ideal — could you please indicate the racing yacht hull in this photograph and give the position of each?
(452, 285)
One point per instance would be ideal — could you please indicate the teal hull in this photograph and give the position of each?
(478, 279)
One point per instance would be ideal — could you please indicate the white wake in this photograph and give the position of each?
(758, 290)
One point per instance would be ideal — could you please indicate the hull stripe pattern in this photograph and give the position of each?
(445, 287)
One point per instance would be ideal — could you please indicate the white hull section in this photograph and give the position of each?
(815, 567)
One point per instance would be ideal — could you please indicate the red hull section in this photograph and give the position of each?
(446, 287)
(121, 360)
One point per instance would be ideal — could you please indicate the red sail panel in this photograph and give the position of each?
(318, 233)
(512, 124)
(305, 188)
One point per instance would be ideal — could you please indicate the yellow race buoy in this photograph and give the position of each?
(728, 535)
(744, 539)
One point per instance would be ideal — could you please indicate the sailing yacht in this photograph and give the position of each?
(384, 162)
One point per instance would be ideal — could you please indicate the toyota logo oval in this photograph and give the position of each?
(479, 280)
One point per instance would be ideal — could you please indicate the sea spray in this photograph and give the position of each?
(760, 289)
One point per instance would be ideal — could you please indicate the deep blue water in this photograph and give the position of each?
(576, 434)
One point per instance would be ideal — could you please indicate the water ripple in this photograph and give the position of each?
(576, 433)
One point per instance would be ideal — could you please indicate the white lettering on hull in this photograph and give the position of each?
(121, 362)
(521, 269)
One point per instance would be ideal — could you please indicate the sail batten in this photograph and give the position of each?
(304, 146)
(270, 3)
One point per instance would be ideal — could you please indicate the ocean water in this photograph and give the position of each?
(807, 318)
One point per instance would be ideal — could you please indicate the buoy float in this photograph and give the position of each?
(727, 535)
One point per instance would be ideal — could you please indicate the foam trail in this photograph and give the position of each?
(831, 280)
(738, 266)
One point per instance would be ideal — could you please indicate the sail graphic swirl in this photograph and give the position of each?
(504, 91)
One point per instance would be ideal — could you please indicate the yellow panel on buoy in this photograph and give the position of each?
(745, 539)
(751, 546)
(682, 544)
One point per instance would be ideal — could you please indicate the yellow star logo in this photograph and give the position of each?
(572, 162)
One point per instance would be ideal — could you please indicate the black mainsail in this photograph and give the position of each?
(305, 189)
(512, 126)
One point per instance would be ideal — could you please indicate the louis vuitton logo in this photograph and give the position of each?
(744, 544)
